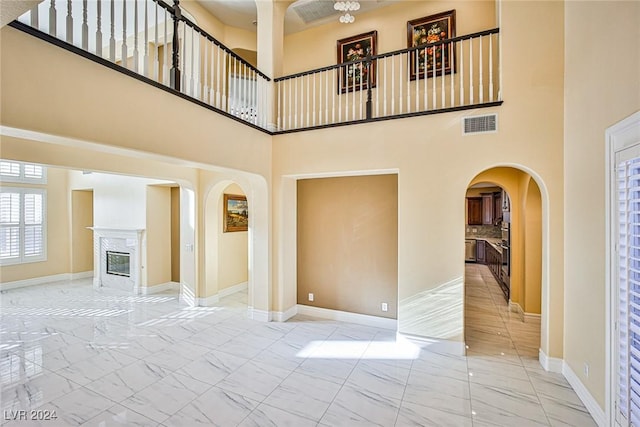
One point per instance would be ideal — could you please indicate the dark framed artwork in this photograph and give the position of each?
(354, 76)
(430, 30)
(236, 213)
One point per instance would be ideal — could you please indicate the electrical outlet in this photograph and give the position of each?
(385, 306)
(310, 296)
(586, 370)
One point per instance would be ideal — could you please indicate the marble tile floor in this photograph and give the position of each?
(105, 358)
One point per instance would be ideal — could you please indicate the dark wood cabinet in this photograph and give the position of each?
(481, 251)
(487, 209)
(497, 207)
(494, 262)
(474, 210)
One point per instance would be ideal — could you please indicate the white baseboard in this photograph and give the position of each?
(456, 348)
(81, 275)
(209, 301)
(344, 316)
(35, 281)
(283, 316)
(232, 289)
(259, 315)
(149, 290)
(550, 364)
(587, 399)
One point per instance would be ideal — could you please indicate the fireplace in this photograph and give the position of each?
(119, 258)
(118, 263)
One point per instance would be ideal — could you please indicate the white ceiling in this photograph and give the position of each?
(242, 13)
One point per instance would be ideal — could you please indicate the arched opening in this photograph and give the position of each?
(226, 246)
(504, 314)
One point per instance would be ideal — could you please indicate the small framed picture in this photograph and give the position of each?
(432, 60)
(236, 213)
(355, 76)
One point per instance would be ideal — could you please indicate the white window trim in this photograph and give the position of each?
(618, 137)
(22, 179)
(22, 259)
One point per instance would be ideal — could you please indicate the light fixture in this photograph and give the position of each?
(347, 6)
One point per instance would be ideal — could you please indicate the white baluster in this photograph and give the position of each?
(434, 68)
(99, 30)
(112, 39)
(461, 56)
(314, 101)
(136, 52)
(451, 79)
(212, 93)
(245, 88)
(183, 86)
(471, 72)
(254, 89)
(378, 88)
(145, 59)
(53, 16)
(400, 74)
(85, 27)
(353, 95)
(393, 85)
(409, 84)
(224, 78)
(491, 68)
(156, 66)
(424, 76)
(384, 86)
(206, 97)
(308, 97)
(326, 95)
(218, 73)
(165, 59)
(280, 90)
(289, 104)
(69, 23)
(234, 99)
(361, 65)
(124, 34)
(417, 79)
(35, 17)
(442, 81)
(295, 107)
(480, 74)
(336, 75)
(341, 82)
(192, 87)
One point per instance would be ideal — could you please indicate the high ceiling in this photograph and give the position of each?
(302, 14)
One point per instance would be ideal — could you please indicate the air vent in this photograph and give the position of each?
(480, 124)
(314, 10)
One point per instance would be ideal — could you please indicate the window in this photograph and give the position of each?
(22, 225)
(26, 173)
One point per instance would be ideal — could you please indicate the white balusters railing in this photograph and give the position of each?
(152, 38)
(141, 39)
(452, 74)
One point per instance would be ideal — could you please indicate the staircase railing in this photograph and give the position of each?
(155, 40)
(457, 73)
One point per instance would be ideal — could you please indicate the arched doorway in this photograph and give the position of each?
(504, 283)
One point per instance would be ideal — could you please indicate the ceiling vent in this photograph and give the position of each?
(480, 124)
(314, 10)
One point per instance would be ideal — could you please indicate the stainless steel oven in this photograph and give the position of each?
(506, 247)
(506, 233)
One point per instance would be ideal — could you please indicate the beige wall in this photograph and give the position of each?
(532, 295)
(81, 235)
(175, 234)
(348, 243)
(233, 249)
(597, 97)
(58, 252)
(158, 232)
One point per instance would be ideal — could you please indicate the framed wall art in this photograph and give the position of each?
(354, 76)
(236, 213)
(429, 30)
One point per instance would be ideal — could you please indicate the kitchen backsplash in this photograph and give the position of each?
(483, 231)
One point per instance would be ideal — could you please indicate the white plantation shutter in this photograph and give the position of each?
(28, 173)
(22, 225)
(9, 169)
(628, 393)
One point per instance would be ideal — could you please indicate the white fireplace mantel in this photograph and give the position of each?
(135, 241)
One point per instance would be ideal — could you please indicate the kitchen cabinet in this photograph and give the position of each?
(494, 262)
(470, 250)
(481, 251)
(474, 210)
(487, 209)
(497, 207)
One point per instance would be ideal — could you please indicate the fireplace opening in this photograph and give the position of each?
(118, 263)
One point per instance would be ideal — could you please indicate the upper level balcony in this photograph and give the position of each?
(160, 43)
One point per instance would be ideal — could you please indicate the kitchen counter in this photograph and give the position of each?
(493, 241)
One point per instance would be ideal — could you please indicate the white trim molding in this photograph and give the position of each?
(587, 399)
(283, 316)
(233, 289)
(344, 316)
(169, 286)
(550, 364)
(208, 301)
(81, 275)
(35, 281)
(259, 315)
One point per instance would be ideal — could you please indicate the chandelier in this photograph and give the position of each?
(346, 7)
